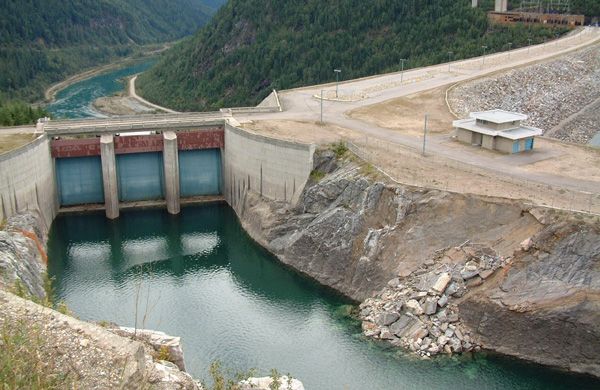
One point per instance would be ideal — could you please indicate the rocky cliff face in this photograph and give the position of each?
(22, 253)
(391, 244)
(355, 234)
(546, 307)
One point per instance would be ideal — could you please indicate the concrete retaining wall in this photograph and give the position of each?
(276, 169)
(27, 181)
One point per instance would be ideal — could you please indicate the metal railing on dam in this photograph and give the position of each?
(132, 123)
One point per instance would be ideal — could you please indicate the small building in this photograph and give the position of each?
(497, 130)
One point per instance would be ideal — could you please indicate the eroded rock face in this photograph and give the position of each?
(355, 235)
(22, 253)
(533, 294)
(546, 308)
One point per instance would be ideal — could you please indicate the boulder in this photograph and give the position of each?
(430, 306)
(442, 282)
(387, 318)
(414, 307)
(443, 301)
(469, 271)
(405, 322)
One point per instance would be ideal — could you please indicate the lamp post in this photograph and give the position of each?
(528, 45)
(509, 47)
(402, 70)
(483, 59)
(449, 55)
(337, 81)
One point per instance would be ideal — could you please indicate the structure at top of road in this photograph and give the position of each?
(497, 130)
(547, 12)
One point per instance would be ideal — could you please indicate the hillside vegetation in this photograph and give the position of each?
(253, 46)
(44, 41)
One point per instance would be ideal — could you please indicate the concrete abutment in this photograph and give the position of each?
(209, 160)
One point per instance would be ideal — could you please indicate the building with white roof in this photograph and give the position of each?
(497, 130)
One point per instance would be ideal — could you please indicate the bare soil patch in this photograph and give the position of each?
(9, 142)
(406, 114)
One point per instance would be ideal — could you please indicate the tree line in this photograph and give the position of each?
(253, 46)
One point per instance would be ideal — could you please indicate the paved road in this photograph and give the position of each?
(301, 104)
(145, 102)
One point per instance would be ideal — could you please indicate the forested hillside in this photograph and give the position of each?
(43, 41)
(253, 46)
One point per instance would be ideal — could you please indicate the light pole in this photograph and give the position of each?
(509, 47)
(528, 45)
(449, 55)
(321, 106)
(402, 70)
(337, 81)
(483, 59)
(425, 133)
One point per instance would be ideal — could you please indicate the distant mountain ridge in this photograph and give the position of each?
(253, 46)
(42, 41)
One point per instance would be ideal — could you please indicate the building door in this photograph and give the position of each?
(476, 139)
(515, 148)
(529, 144)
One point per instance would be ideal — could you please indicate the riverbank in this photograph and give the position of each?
(50, 93)
(128, 103)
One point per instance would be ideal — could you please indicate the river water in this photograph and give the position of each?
(76, 100)
(199, 276)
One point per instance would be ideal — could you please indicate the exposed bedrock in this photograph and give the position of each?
(546, 307)
(22, 253)
(375, 241)
(354, 234)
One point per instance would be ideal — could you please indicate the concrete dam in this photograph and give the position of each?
(164, 158)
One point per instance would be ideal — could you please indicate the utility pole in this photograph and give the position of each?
(425, 134)
(321, 106)
(337, 81)
(402, 70)
(483, 59)
(449, 55)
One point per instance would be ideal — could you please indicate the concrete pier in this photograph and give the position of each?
(109, 176)
(171, 170)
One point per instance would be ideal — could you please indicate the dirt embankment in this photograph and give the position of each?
(355, 232)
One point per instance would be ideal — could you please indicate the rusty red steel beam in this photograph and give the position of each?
(189, 140)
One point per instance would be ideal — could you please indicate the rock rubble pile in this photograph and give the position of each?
(419, 312)
(549, 93)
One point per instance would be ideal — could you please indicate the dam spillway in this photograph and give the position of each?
(110, 163)
(146, 167)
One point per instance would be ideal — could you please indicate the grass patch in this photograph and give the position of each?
(339, 148)
(317, 175)
(14, 141)
(21, 364)
(368, 170)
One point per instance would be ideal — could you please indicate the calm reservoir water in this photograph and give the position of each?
(199, 276)
(76, 100)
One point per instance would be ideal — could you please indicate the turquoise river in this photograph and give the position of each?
(76, 101)
(199, 276)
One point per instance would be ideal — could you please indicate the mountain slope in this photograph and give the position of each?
(42, 41)
(253, 46)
